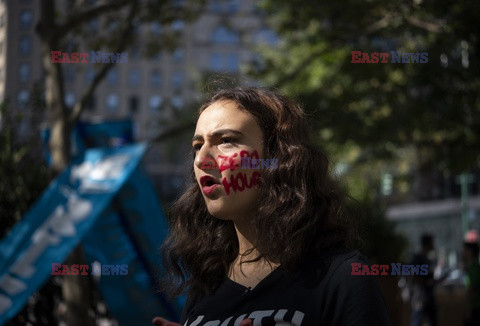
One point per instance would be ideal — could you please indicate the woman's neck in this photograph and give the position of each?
(246, 239)
(248, 274)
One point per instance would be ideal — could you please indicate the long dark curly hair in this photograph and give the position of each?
(301, 208)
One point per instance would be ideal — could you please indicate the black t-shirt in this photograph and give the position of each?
(322, 292)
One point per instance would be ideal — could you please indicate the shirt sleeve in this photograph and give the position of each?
(353, 299)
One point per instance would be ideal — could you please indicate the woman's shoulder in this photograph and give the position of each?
(346, 297)
(333, 262)
(340, 262)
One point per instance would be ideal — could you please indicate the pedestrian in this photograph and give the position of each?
(264, 246)
(472, 279)
(423, 286)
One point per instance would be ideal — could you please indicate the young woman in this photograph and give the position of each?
(260, 237)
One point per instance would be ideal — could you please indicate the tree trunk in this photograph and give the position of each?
(76, 289)
(77, 293)
(59, 145)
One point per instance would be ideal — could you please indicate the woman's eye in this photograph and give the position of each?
(227, 140)
(196, 147)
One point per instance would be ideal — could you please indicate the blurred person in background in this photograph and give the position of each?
(472, 278)
(422, 286)
(269, 246)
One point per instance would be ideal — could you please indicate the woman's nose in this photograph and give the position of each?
(205, 159)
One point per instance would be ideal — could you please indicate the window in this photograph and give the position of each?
(224, 6)
(216, 61)
(24, 71)
(112, 77)
(90, 103)
(70, 99)
(224, 35)
(134, 77)
(70, 47)
(112, 102)
(155, 102)
(155, 28)
(232, 62)
(157, 56)
(136, 29)
(155, 78)
(178, 55)
(112, 26)
(228, 61)
(136, 53)
(178, 25)
(233, 5)
(133, 104)
(89, 74)
(93, 25)
(23, 97)
(266, 36)
(176, 102)
(1, 47)
(177, 79)
(2, 20)
(26, 19)
(179, 4)
(25, 45)
(69, 74)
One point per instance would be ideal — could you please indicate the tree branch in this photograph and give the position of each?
(379, 24)
(431, 27)
(80, 105)
(46, 24)
(174, 131)
(289, 76)
(89, 14)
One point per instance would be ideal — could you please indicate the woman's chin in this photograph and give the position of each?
(217, 212)
(219, 209)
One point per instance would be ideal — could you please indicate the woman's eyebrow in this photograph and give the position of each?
(221, 132)
(218, 133)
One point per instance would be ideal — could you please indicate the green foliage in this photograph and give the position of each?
(23, 173)
(433, 107)
(381, 243)
(404, 120)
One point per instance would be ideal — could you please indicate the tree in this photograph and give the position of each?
(24, 176)
(72, 30)
(380, 110)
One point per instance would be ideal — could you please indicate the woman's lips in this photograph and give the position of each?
(208, 184)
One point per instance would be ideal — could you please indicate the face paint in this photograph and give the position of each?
(246, 154)
(227, 162)
(208, 163)
(239, 182)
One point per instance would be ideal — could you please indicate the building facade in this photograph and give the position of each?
(156, 92)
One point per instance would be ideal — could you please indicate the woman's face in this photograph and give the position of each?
(224, 135)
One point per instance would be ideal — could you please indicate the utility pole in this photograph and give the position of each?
(464, 179)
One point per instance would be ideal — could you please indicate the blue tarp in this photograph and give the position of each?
(107, 203)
